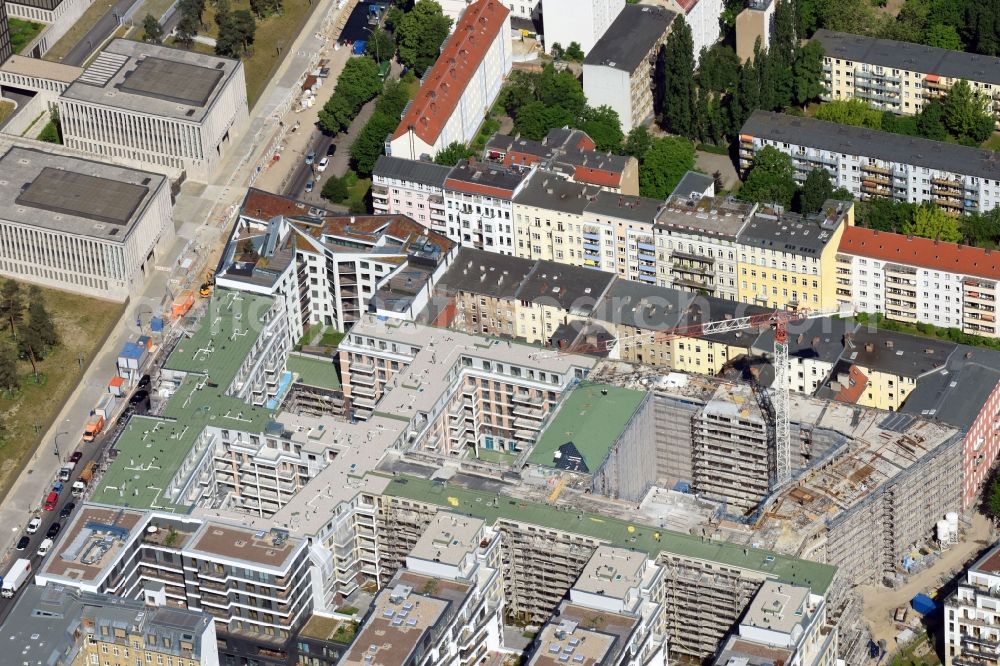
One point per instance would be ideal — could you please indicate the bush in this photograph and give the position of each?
(335, 190)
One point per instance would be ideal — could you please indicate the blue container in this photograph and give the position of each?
(923, 604)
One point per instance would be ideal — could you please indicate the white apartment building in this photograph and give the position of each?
(478, 199)
(156, 107)
(703, 17)
(618, 70)
(871, 163)
(580, 21)
(83, 226)
(412, 188)
(519, 9)
(972, 615)
(919, 280)
(783, 624)
(458, 91)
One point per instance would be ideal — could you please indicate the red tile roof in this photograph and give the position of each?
(601, 177)
(921, 252)
(687, 5)
(858, 382)
(443, 86)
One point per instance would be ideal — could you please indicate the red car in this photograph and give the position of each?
(75, 458)
(51, 501)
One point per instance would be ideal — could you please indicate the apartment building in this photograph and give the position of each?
(789, 261)
(326, 268)
(919, 280)
(547, 210)
(618, 70)
(783, 623)
(755, 23)
(445, 607)
(572, 154)
(156, 107)
(568, 21)
(88, 628)
(484, 292)
(459, 90)
(703, 17)
(870, 163)
(617, 236)
(478, 200)
(87, 227)
(696, 244)
(519, 9)
(899, 76)
(971, 635)
(412, 188)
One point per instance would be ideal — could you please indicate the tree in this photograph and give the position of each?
(931, 222)
(371, 140)
(31, 347)
(678, 80)
(637, 142)
(380, 46)
(807, 73)
(420, 33)
(187, 29)
(223, 13)
(9, 379)
(335, 190)
(557, 51)
(11, 305)
(718, 68)
(943, 37)
(966, 114)
(771, 178)
(982, 229)
(992, 500)
(452, 154)
(574, 52)
(603, 126)
(265, 8)
(885, 214)
(850, 112)
(39, 319)
(816, 189)
(358, 83)
(535, 119)
(246, 27)
(152, 31)
(930, 122)
(663, 166)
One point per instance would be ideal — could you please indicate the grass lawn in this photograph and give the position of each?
(331, 338)
(919, 652)
(494, 456)
(90, 18)
(22, 32)
(6, 109)
(83, 324)
(357, 192)
(272, 33)
(992, 143)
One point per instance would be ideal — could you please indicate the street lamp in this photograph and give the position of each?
(56, 443)
(372, 33)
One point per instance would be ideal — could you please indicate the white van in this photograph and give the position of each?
(45, 547)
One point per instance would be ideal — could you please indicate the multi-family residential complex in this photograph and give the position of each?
(871, 163)
(328, 269)
(580, 21)
(548, 212)
(83, 226)
(754, 24)
(919, 280)
(172, 110)
(618, 71)
(411, 188)
(970, 614)
(478, 203)
(459, 90)
(899, 76)
(703, 17)
(62, 625)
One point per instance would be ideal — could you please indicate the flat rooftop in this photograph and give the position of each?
(314, 371)
(630, 38)
(612, 572)
(776, 607)
(611, 530)
(720, 217)
(591, 418)
(272, 549)
(74, 196)
(94, 539)
(448, 538)
(584, 636)
(156, 80)
(43, 69)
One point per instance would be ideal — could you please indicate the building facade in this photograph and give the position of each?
(547, 212)
(971, 635)
(871, 163)
(568, 21)
(156, 107)
(478, 199)
(411, 188)
(87, 227)
(459, 90)
(703, 17)
(755, 23)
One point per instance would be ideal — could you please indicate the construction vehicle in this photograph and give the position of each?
(205, 290)
(93, 428)
(80, 485)
(773, 401)
(12, 582)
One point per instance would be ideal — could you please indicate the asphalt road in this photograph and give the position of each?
(65, 447)
(304, 172)
(106, 25)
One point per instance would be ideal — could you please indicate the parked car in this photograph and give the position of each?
(65, 473)
(52, 501)
(34, 524)
(75, 458)
(309, 186)
(53, 530)
(331, 150)
(311, 157)
(66, 510)
(23, 542)
(57, 487)
(321, 165)
(144, 383)
(45, 547)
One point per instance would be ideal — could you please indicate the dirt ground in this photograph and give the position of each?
(881, 602)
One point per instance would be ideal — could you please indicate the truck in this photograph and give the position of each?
(93, 428)
(106, 407)
(80, 485)
(12, 582)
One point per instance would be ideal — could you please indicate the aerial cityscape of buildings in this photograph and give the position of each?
(512, 367)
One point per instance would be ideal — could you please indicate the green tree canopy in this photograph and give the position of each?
(850, 112)
(637, 142)
(816, 189)
(380, 46)
(574, 52)
(663, 166)
(678, 86)
(358, 83)
(771, 178)
(152, 31)
(603, 126)
(966, 114)
(420, 33)
(929, 221)
(335, 190)
(452, 154)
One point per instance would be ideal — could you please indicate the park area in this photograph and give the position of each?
(82, 324)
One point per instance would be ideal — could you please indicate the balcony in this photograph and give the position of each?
(875, 168)
(362, 368)
(950, 204)
(947, 182)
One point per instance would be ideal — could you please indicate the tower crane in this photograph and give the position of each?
(773, 402)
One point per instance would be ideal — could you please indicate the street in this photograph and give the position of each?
(103, 29)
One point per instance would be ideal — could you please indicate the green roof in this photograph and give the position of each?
(151, 450)
(592, 417)
(224, 339)
(633, 535)
(314, 371)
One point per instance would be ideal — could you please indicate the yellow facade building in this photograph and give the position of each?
(548, 218)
